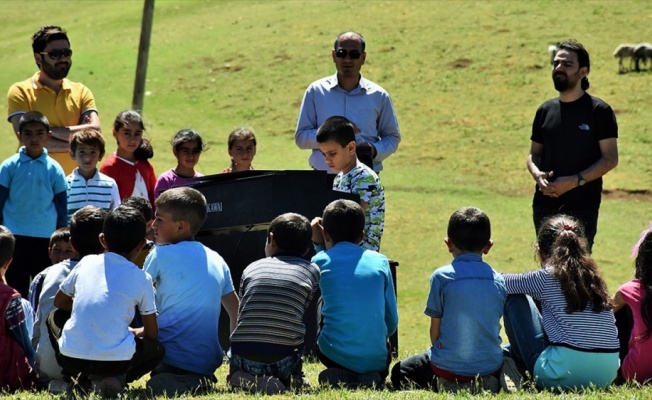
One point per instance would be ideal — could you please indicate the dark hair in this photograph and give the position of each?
(469, 229)
(562, 242)
(7, 244)
(336, 129)
(145, 151)
(643, 273)
(582, 57)
(86, 225)
(33, 117)
(188, 135)
(292, 233)
(241, 134)
(124, 229)
(141, 204)
(60, 235)
(47, 34)
(344, 221)
(90, 137)
(363, 44)
(184, 204)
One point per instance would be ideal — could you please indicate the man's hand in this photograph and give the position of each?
(560, 186)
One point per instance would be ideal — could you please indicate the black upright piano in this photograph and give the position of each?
(241, 206)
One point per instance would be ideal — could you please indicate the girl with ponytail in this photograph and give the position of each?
(633, 304)
(572, 342)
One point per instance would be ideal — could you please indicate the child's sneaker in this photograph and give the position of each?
(256, 384)
(337, 377)
(56, 386)
(109, 387)
(510, 377)
(171, 384)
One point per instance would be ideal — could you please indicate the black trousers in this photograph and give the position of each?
(149, 353)
(588, 219)
(30, 258)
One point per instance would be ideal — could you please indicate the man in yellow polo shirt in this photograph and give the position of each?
(68, 106)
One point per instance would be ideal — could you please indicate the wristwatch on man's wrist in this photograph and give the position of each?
(580, 180)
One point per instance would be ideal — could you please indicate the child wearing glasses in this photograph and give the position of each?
(242, 149)
(187, 146)
(129, 164)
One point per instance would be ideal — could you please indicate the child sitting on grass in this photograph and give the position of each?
(192, 282)
(85, 228)
(100, 294)
(336, 138)
(465, 305)
(17, 360)
(359, 306)
(634, 299)
(267, 343)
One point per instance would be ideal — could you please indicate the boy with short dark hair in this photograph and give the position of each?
(32, 200)
(465, 305)
(102, 292)
(336, 139)
(85, 228)
(17, 361)
(267, 343)
(191, 283)
(359, 306)
(145, 207)
(59, 250)
(87, 186)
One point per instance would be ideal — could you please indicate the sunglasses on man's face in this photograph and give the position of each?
(57, 54)
(353, 54)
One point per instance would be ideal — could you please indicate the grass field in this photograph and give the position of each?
(465, 76)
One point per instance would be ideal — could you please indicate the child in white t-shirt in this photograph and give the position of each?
(101, 293)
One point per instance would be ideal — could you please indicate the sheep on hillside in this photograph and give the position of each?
(642, 52)
(622, 51)
(552, 51)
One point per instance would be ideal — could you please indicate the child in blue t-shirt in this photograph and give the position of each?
(359, 306)
(192, 283)
(32, 200)
(465, 305)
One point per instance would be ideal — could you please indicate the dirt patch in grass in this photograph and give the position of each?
(460, 63)
(622, 194)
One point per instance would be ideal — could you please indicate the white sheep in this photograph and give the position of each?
(642, 52)
(623, 51)
(552, 51)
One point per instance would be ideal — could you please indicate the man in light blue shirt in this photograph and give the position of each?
(348, 94)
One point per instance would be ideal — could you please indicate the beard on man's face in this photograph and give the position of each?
(561, 81)
(56, 71)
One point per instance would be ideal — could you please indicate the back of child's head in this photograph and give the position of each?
(469, 229)
(336, 129)
(7, 244)
(123, 229)
(344, 221)
(90, 137)
(561, 231)
(187, 136)
(184, 204)
(33, 117)
(241, 134)
(141, 204)
(86, 225)
(125, 118)
(60, 235)
(563, 247)
(292, 233)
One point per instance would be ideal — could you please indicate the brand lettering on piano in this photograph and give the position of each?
(214, 207)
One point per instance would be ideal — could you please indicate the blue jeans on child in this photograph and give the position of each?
(552, 366)
(290, 366)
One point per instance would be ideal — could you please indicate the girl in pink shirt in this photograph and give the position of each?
(636, 364)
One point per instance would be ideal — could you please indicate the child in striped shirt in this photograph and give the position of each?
(572, 343)
(87, 186)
